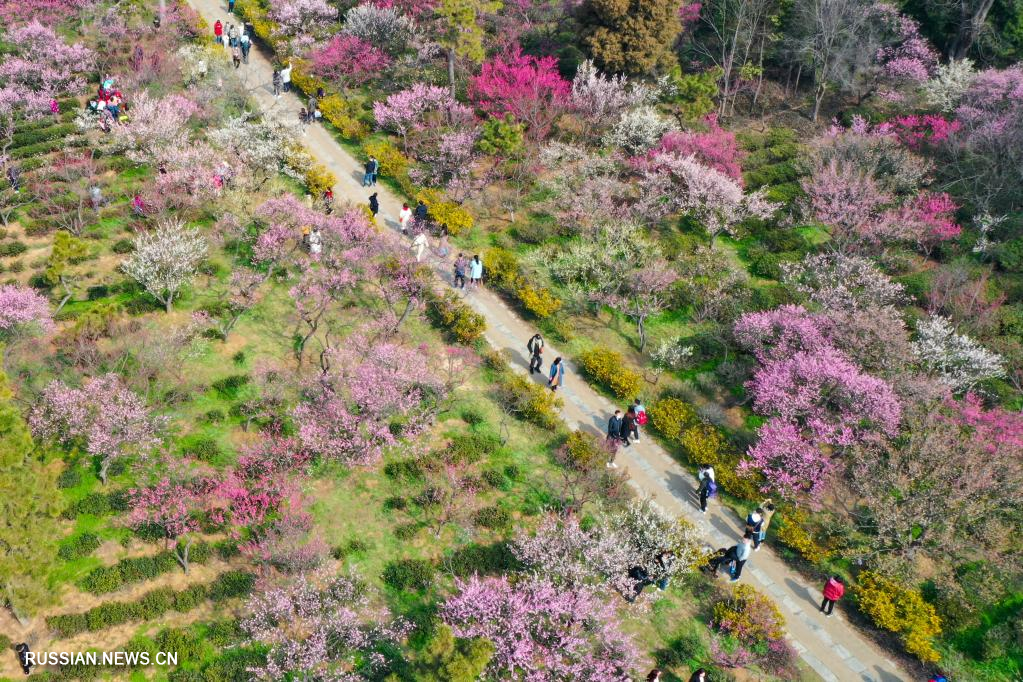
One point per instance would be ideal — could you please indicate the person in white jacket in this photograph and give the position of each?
(404, 216)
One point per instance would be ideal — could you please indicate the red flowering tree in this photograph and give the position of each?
(715, 147)
(527, 87)
(348, 60)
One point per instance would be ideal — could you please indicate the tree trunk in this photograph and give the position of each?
(104, 469)
(182, 555)
(970, 25)
(818, 98)
(641, 328)
(451, 72)
(169, 302)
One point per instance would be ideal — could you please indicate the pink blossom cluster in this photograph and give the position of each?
(541, 631)
(911, 58)
(529, 88)
(22, 309)
(104, 415)
(289, 543)
(303, 20)
(995, 429)
(168, 505)
(410, 8)
(348, 59)
(14, 12)
(408, 110)
(41, 68)
(715, 148)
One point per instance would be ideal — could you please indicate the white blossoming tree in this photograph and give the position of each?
(957, 360)
(166, 259)
(638, 130)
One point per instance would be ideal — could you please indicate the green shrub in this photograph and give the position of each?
(450, 314)
(68, 624)
(102, 580)
(408, 574)
(221, 633)
(70, 477)
(472, 447)
(15, 248)
(607, 368)
(202, 448)
(227, 549)
(231, 584)
(214, 416)
(156, 603)
(407, 531)
(123, 246)
(189, 598)
(228, 387)
(408, 469)
(179, 640)
(1010, 255)
(493, 517)
(482, 559)
(527, 400)
(78, 546)
(671, 417)
(472, 415)
(495, 478)
(393, 503)
(97, 504)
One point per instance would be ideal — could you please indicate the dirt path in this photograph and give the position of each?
(831, 647)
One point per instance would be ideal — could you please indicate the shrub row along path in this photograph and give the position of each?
(831, 647)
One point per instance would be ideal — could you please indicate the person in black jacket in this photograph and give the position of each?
(535, 348)
(422, 214)
(374, 205)
(367, 176)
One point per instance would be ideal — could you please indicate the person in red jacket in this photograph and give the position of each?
(833, 591)
(218, 32)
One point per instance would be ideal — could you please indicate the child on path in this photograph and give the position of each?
(708, 486)
(557, 374)
(833, 591)
(641, 417)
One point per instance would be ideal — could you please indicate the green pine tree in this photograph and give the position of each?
(29, 506)
(450, 659)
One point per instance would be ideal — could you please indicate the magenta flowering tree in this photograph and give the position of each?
(527, 87)
(541, 631)
(777, 334)
(928, 219)
(348, 60)
(715, 148)
(828, 395)
(43, 11)
(103, 416)
(794, 467)
(41, 68)
(320, 626)
(412, 109)
(23, 311)
(171, 506)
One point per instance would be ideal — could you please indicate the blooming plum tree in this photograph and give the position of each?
(170, 505)
(157, 125)
(527, 87)
(600, 99)
(23, 311)
(408, 110)
(348, 59)
(957, 360)
(303, 20)
(165, 260)
(793, 467)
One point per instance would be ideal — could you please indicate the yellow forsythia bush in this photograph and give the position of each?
(393, 164)
(539, 301)
(502, 268)
(608, 368)
(337, 112)
(704, 444)
(584, 452)
(319, 179)
(303, 80)
(900, 609)
(528, 400)
(790, 530)
(751, 613)
(671, 417)
(449, 313)
(447, 213)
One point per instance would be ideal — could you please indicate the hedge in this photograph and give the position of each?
(528, 400)
(151, 605)
(607, 368)
(78, 546)
(450, 314)
(98, 504)
(53, 132)
(409, 574)
(139, 569)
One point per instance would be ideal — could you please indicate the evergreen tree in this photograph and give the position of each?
(29, 506)
(451, 659)
(630, 36)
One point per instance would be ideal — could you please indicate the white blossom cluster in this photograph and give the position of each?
(165, 259)
(959, 361)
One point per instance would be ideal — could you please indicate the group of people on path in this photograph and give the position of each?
(473, 267)
(556, 374)
(281, 79)
(235, 38)
(109, 104)
(621, 427)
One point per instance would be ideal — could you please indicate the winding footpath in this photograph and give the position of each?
(833, 648)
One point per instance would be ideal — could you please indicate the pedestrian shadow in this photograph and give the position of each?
(803, 591)
(725, 528)
(357, 175)
(885, 676)
(683, 489)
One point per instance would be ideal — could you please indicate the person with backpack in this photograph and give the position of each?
(834, 588)
(367, 172)
(641, 417)
(374, 164)
(556, 374)
(460, 266)
(535, 348)
(628, 425)
(708, 486)
(754, 525)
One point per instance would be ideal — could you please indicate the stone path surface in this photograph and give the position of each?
(834, 649)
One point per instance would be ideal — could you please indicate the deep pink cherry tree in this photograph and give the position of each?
(104, 416)
(778, 334)
(541, 631)
(321, 626)
(23, 311)
(527, 87)
(348, 60)
(172, 506)
(714, 147)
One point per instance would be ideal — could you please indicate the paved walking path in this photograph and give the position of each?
(831, 647)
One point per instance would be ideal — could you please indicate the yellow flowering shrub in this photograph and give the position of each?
(393, 163)
(584, 452)
(303, 79)
(750, 616)
(704, 444)
(449, 313)
(671, 417)
(502, 268)
(539, 301)
(339, 114)
(900, 609)
(447, 213)
(608, 368)
(528, 400)
(319, 179)
(791, 532)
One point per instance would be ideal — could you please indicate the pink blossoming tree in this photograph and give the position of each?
(171, 506)
(527, 87)
(348, 60)
(22, 311)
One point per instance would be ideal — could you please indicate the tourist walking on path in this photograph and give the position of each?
(766, 511)
(404, 216)
(218, 32)
(834, 588)
(460, 266)
(743, 550)
(641, 417)
(367, 175)
(419, 245)
(286, 77)
(708, 486)
(628, 424)
(475, 271)
(374, 172)
(556, 374)
(246, 45)
(236, 56)
(374, 204)
(278, 82)
(754, 525)
(422, 213)
(614, 432)
(535, 348)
